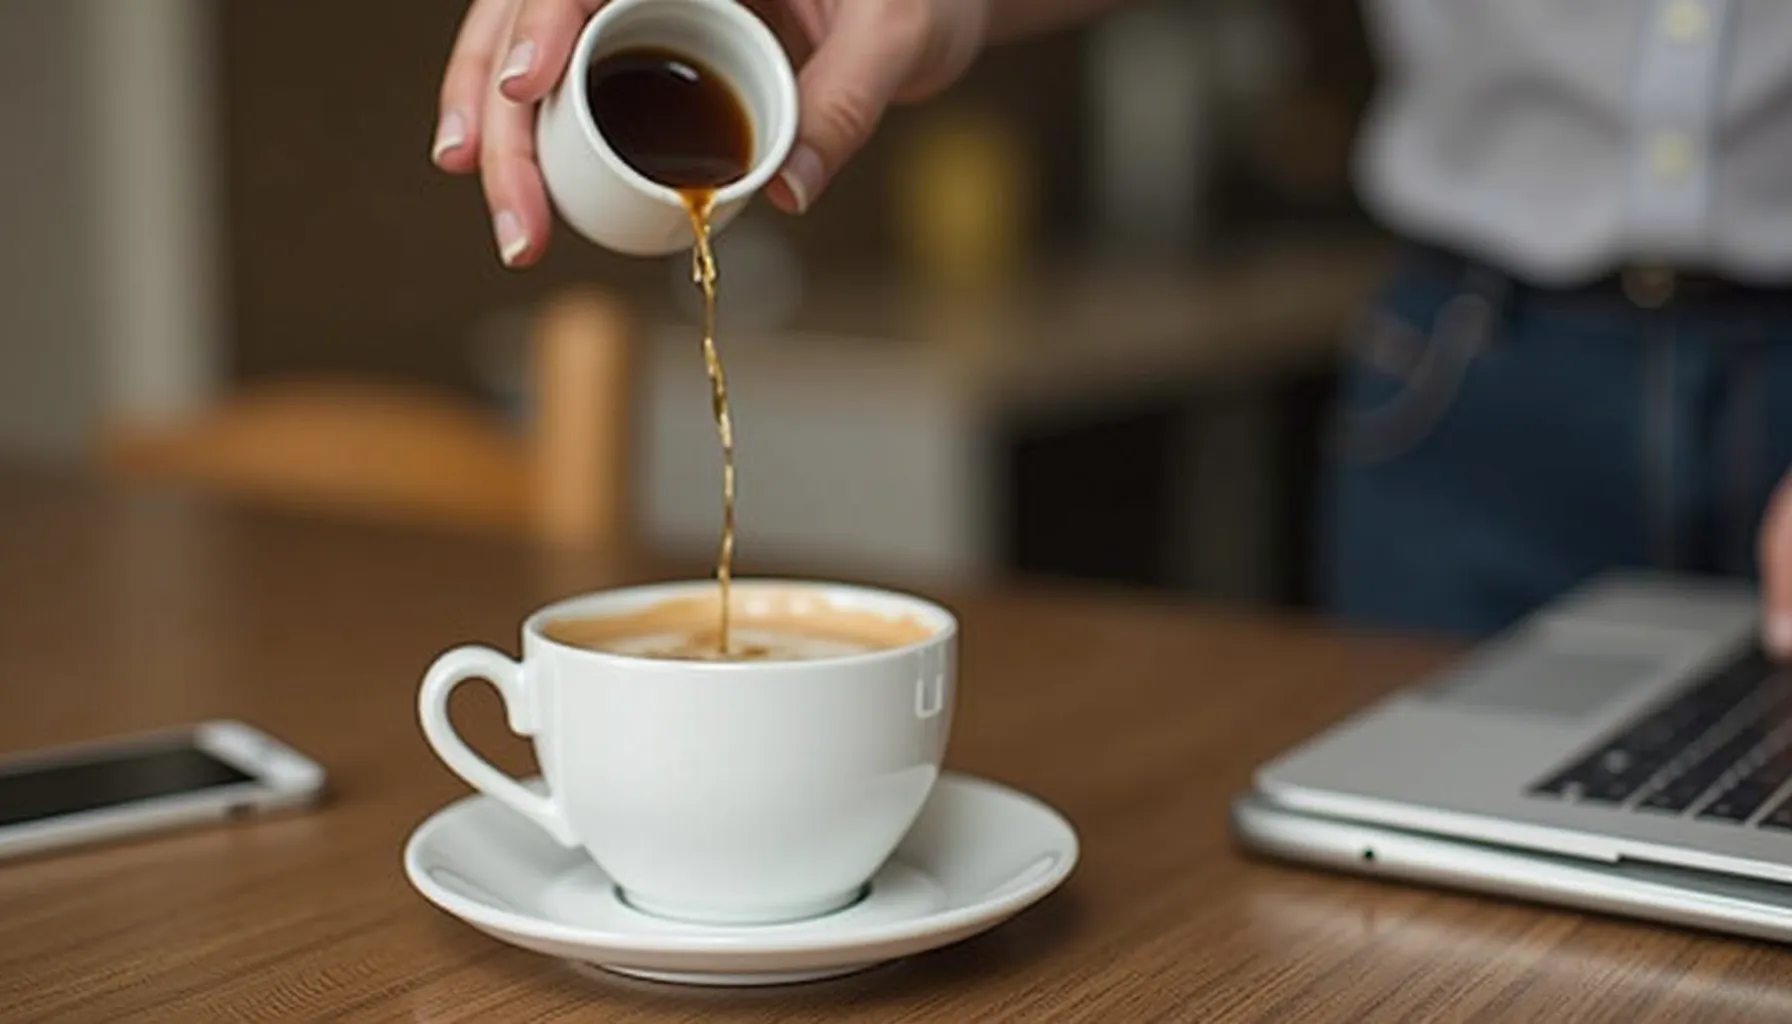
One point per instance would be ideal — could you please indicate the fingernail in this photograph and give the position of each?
(451, 134)
(802, 175)
(511, 239)
(517, 64)
(1779, 633)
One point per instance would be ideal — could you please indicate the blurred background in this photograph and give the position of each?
(1078, 319)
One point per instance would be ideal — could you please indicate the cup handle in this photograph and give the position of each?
(451, 670)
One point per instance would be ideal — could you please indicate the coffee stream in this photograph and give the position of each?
(703, 267)
(679, 123)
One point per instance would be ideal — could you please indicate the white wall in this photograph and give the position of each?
(157, 190)
(108, 285)
(49, 363)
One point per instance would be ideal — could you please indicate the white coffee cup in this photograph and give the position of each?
(611, 203)
(719, 792)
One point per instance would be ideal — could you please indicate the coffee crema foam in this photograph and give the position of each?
(775, 626)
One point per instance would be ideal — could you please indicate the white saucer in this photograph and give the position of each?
(979, 854)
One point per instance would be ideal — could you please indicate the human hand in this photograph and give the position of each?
(856, 57)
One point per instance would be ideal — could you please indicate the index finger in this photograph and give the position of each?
(465, 84)
(540, 46)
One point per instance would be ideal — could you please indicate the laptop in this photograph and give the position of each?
(1626, 749)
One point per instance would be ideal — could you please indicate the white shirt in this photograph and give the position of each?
(1563, 139)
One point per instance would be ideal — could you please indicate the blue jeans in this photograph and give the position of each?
(1497, 444)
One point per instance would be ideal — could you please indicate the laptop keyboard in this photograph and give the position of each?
(1719, 751)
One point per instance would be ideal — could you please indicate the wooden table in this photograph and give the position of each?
(1138, 719)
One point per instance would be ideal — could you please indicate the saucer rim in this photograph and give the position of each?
(798, 941)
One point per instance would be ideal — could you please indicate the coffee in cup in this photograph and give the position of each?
(768, 625)
(747, 791)
(613, 182)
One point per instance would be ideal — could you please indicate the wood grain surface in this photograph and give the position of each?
(1138, 718)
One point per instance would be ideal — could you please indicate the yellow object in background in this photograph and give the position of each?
(964, 195)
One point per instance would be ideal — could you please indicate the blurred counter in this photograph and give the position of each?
(876, 434)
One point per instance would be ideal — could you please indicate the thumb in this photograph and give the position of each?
(869, 51)
(1776, 572)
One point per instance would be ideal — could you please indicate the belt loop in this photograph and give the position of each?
(1472, 318)
(1649, 288)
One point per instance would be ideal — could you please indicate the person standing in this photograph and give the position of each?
(1584, 358)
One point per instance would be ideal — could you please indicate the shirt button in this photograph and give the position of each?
(1685, 20)
(1671, 155)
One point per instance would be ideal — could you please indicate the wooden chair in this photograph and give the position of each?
(417, 455)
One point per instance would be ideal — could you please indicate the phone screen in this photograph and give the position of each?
(34, 792)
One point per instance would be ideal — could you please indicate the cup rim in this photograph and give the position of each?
(785, 85)
(533, 625)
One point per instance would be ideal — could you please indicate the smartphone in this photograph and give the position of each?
(136, 785)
